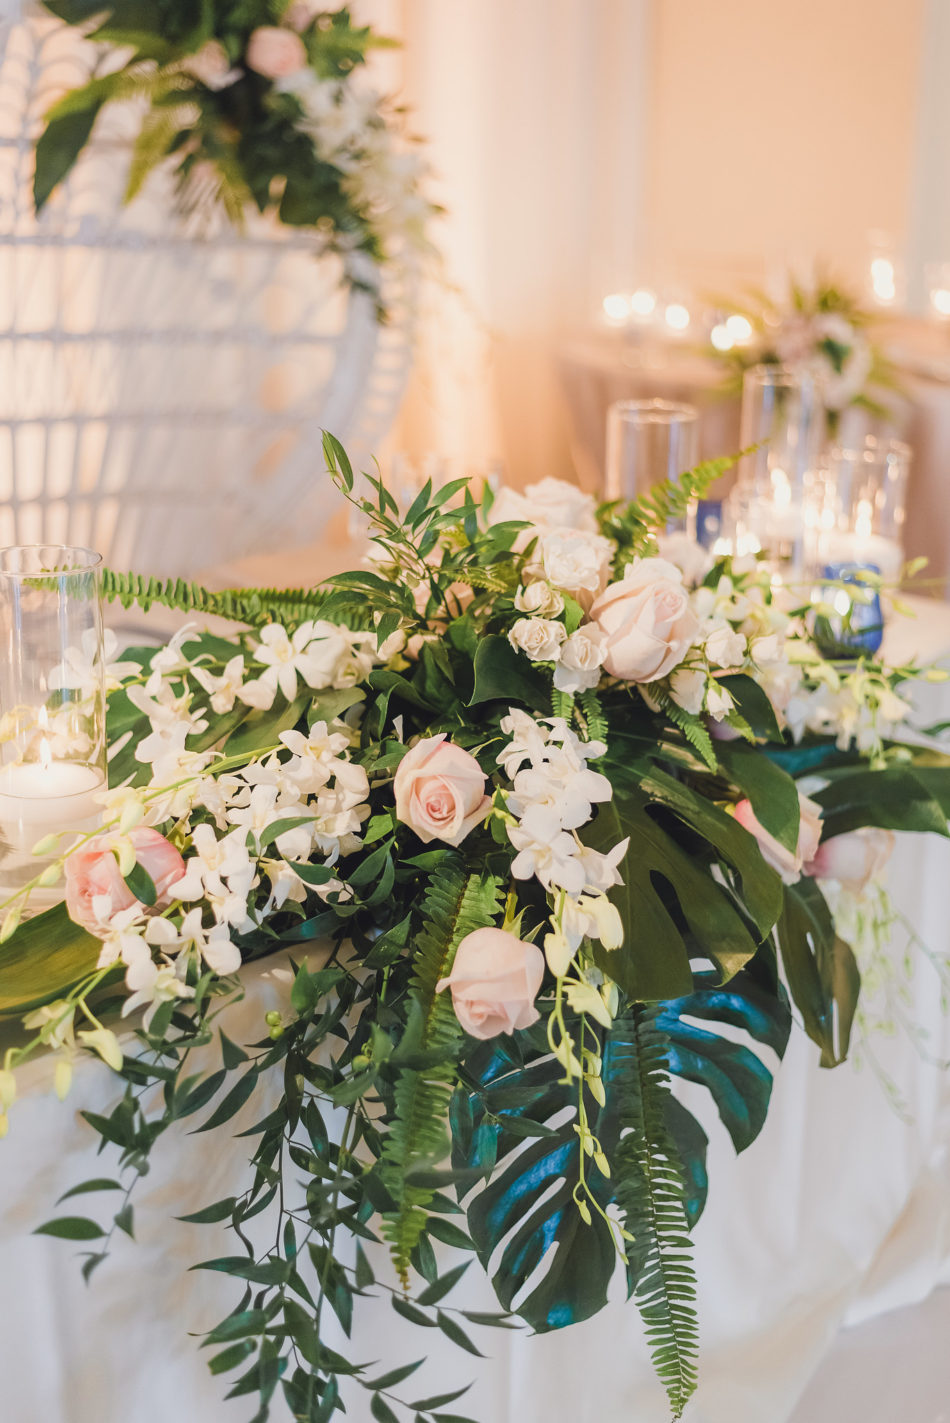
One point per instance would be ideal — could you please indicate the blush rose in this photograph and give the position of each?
(853, 859)
(788, 863)
(647, 619)
(95, 889)
(440, 791)
(494, 981)
(275, 52)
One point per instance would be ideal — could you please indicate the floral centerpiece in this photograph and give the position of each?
(522, 803)
(822, 328)
(259, 104)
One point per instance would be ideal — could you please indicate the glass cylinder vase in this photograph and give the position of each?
(52, 712)
(857, 504)
(648, 441)
(783, 419)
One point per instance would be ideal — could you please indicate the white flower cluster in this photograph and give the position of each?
(345, 124)
(317, 789)
(553, 794)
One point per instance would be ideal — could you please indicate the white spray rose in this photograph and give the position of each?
(539, 638)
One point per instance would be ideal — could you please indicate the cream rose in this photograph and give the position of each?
(724, 646)
(95, 889)
(853, 859)
(494, 981)
(582, 657)
(554, 503)
(788, 864)
(538, 638)
(440, 791)
(539, 598)
(275, 52)
(647, 619)
(575, 562)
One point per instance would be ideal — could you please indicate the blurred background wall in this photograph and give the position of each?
(582, 146)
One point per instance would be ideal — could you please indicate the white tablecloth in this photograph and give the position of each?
(838, 1213)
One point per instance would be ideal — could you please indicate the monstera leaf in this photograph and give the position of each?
(521, 1116)
(669, 901)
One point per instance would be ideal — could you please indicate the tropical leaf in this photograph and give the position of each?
(46, 957)
(521, 1118)
(670, 905)
(820, 968)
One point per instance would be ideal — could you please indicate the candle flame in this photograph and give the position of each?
(46, 755)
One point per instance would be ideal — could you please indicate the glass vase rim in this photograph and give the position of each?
(656, 410)
(875, 447)
(87, 561)
(777, 371)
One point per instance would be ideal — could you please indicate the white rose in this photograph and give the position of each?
(648, 620)
(539, 638)
(688, 689)
(539, 598)
(582, 657)
(575, 562)
(719, 703)
(724, 646)
(556, 504)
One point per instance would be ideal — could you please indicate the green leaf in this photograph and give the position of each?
(381, 1410)
(501, 674)
(395, 1376)
(456, 1333)
(71, 1227)
(142, 885)
(68, 126)
(220, 1210)
(100, 1184)
(442, 1286)
(232, 1103)
(231, 1055)
(46, 957)
(895, 799)
(822, 974)
(753, 706)
(771, 791)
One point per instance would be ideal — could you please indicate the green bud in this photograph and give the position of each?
(47, 845)
(360, 1061)
(11, 923)
(272, 1019)
(602, 1164)
(50, 875)
(275, 1033)
(63, 1078)
(583, 1210)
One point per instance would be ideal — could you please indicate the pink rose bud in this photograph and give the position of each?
(789, 865)
(648, 621)
(275, 52)
(95, 889)
(494, 981)
(440, 791)
(853, 859)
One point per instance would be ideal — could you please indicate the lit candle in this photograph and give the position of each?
(38, 798)
(862, 546)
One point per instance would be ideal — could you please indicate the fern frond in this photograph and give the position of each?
(242, 605)
(490, 580)
(455, 904)
(593, 715)
(651, 1194)
(562, 704)
(672, 497)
